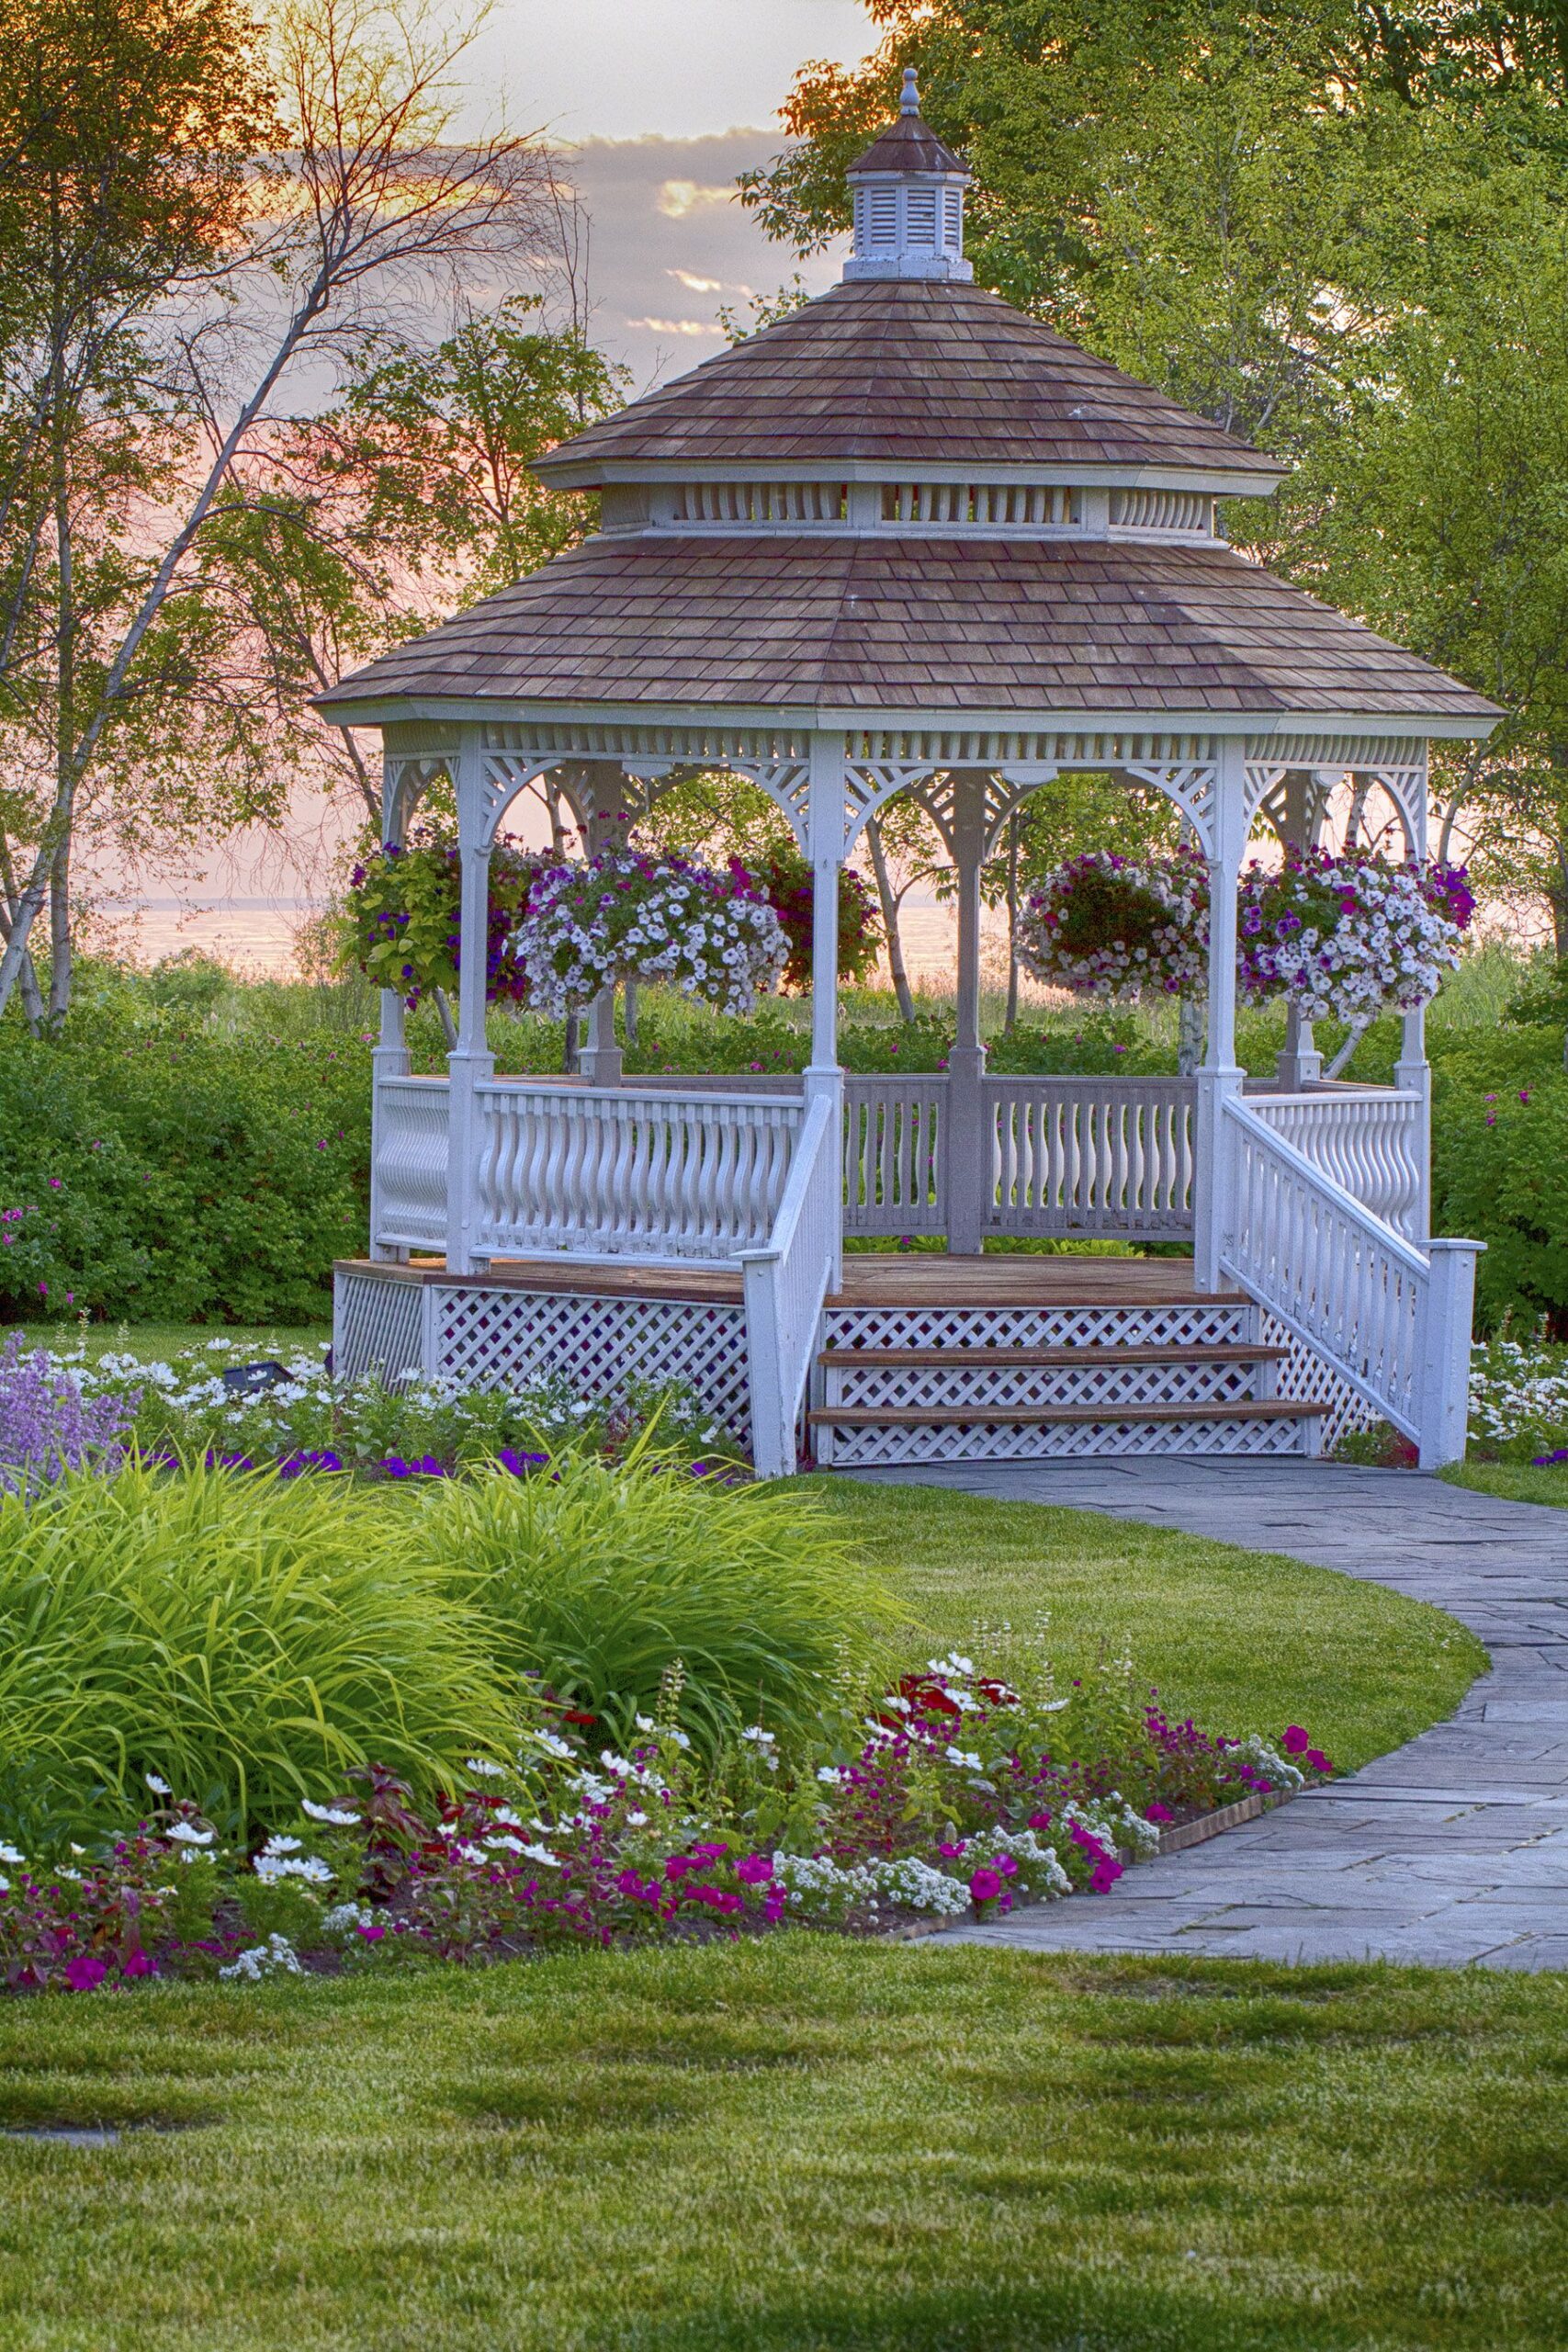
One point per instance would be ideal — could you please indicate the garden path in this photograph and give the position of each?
(1453, 1848)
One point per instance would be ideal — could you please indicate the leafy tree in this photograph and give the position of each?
(194, 210)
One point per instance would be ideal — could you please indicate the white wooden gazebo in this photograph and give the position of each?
(908, 540)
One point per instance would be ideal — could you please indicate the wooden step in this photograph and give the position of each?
(1029, 1358)
(1216, 1408)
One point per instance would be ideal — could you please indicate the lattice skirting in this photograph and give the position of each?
(1204, 1323)
(498, 1338)
(1004, 1387)
(1003, 1441)
(1310, 1377)
(375, 1327)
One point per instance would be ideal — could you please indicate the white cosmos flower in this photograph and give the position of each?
(333, 1815)
(184, 1835)
(159, 1788)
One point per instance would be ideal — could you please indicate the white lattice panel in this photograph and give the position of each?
(1312, 1379)
(1004, 1387)
(375, 1327)
(1050, 1442)
(1201, 1323)
(508, 1338)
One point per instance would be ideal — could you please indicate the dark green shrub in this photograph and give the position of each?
(1500, 1170)
(176, 1178)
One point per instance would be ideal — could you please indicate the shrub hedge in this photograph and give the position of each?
(156, 1165)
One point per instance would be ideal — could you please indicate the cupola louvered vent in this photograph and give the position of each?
(720, 503)
(980, 506)
(1162, 510)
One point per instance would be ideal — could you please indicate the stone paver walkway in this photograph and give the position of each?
(1451, 1850)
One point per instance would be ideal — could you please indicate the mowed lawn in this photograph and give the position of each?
(801, 2143)
(791, 2145)
(1245, 1641)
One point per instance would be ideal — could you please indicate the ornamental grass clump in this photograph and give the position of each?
(598, 1578)
(244, 1638)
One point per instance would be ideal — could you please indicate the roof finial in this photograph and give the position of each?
(909, 101)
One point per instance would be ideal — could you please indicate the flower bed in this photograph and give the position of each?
(959, 1795)
(58, 1406)
(1519, 1399)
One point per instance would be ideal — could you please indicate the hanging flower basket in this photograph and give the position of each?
(783, 878)
(1120, 928)
(1347, 937)
(623, 916)
(405, 905)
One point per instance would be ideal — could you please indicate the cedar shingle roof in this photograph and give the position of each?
(944, 624)
(907, 145)
(906, 372)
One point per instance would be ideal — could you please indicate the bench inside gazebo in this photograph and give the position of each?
(908, 540)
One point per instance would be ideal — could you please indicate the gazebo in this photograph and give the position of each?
(907, 540)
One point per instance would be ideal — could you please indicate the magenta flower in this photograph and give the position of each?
(678, 1866)
(1318, 1761)
(754, 1869)
(985, 1886)
(1296, 1741)
(84, 1972)
(1158, 1813)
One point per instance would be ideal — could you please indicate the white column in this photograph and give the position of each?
(965, 1142)
(470, 1062)
(390, 1056)
(601, 1062)
(825, 845)
(1220, 1075)
(1412, 1071)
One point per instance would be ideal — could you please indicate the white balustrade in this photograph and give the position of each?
(1392, 1319)
(1369, 1142)
(1089, 1155)
(625, 1172)
(785, 1284)
(895, 1168)
(409, 1164)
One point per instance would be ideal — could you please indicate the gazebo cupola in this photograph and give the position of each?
(908, 202)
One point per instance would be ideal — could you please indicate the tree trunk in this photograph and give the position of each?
(889, 904)
(60, 938)
(1189, 1033)
(1010, 1022)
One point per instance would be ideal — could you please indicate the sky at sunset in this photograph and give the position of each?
(658, 104)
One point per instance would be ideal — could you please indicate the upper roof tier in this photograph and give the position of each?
(874, 377)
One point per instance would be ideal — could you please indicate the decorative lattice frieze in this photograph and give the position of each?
(1002, 1389)
(1310, 1378)
(1224, 1322)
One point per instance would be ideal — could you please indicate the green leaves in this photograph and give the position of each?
(246, 1639)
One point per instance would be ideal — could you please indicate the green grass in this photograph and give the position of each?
(152, 1340)
(1517, 1482)
(796, 2146)
(1243, 1640)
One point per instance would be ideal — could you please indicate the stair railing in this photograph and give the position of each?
(785, 1284)
(1392, 1319)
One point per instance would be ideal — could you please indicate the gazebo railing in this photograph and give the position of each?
(1089, 1155)
(624, 1172)
(408, 1166)
(696, 1169)
(1371, 1142)
(1392, 1319)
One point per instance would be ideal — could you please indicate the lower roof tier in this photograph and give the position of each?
(893, 624)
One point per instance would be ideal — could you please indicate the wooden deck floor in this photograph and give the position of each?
(890, 1279)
